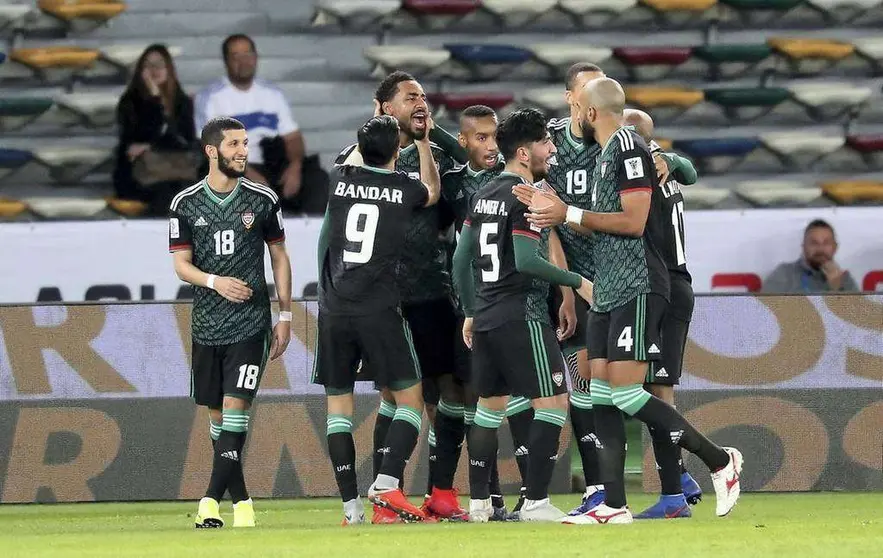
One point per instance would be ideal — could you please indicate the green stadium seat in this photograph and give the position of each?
(11, 208)
(848, 192)
(387, 58)
(831, 99)
(747, 103)
(778, 193)
(801, 149)
(515, 13)
(549, 99)
(758, 13)
(18, 112)
(127, 208)
(732, 60)
(703, 197)
(651, 63)
(93, 109)
(353, 13)
(755, 5)
(597, 13)
(52, 207)
(71, 164)
(98, 11)
(559, 56)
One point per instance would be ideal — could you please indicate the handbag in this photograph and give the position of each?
(156, 166)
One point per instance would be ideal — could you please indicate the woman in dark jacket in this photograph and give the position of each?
(154, 113)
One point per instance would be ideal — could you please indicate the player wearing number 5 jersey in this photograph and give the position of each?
(217, 232)
(360, 319)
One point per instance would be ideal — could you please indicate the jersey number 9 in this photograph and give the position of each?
(361, 228)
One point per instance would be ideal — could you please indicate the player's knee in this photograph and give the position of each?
(559, 402)
(411, 396)
(236, 403)
(340, 404)
(451, 391)
(666, 393)
(493, 403)
(216, 415)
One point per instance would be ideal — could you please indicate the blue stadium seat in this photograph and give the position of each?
(2, 57)
(487, 61)
(13, 159)
(717, 147)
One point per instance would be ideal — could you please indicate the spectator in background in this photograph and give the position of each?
(276, 156)
(155, 119)
(816, 271)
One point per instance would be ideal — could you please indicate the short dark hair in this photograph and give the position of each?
(577, 69)
(213, 131)
(390, 86)
(818, 224)
(477, 111)
(378, 140)
(225, 46)
(520, 128)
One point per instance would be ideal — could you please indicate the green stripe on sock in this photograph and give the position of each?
(601, 393)
(387, 409)
(430, 437)
(630, 399)
(581, 400)
(552, 416)
(517, 405)
(454, 410)
(410, 339)
(409, 415)
(214, 429)
(488, 418)
(339, 424)
(469, 415)
(235, 420)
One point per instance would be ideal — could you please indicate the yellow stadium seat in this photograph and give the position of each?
(852, 191)
(69, 10)
(651, 97)
(665, 144)
(803, 49)
(55, 57)
(129, 208)
(679, 5)
(11, 208)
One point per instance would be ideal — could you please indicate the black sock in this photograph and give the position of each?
(381, 428)
(545, 432)
(400, 441)
(482, 447)
(342, 450)
(666, 418)
(494, 485)
(519, 426)
(668, 457)
(227, 463)
(610, 430)
(432, 442)
(450, 430)
(583, 422)
(214, 432)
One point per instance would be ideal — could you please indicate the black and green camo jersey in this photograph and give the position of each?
(570, 176)
(422, 273)
(460, 184)
(625, 266)
(227, 236)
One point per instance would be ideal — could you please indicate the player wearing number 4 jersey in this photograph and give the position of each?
(217, 232)
(360, 319)
(631, 288)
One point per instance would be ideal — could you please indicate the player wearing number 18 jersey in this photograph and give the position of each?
(217, 232)
(360, 318)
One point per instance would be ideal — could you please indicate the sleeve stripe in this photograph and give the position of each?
(529, 234)
(636, 189)
(467, 222)
(626, 141)
(276, 240)
(178, 247)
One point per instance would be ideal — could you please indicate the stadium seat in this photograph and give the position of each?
(91, 10)
(716, 155)
(559, 56)
(94, 109)
(769, 193)
(871, 50)
(650, 63)
(350, 13)
(802, 149)
(665, 103)
(866, 143)
(10, 14)
(518, 12)
(13, 159)
(810, 55)
(854, 191)
(2, 57)
(596, 13)
(126, 55)
(842, 10)
(487, 61)
(55, 62)
(679, 5)
(828, 100)
(18, 112)
(664, 143)
(387, 58)
(51, 207)
(11, 208)
(441, 7)
(702, 197)
(456, 102)
(732, 60)
(749, 10)
(549, 99)
(746, 103)
(70, 164)
(127, 208)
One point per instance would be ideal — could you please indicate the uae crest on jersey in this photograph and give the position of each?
(248, 219)
(558, 378)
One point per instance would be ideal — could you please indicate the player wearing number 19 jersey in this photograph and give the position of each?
(360, 319)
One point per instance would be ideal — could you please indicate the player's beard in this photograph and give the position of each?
(226, 167)
(538, 169)
(587, 130)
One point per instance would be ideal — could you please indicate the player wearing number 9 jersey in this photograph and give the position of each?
(360, 319)
(217, 232)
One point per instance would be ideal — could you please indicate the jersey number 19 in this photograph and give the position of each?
(361, 229)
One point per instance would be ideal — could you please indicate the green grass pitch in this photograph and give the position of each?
(776, 525)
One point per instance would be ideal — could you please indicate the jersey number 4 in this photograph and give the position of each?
(491, 250)
(625, 340)
(224, 243)
(361, 229)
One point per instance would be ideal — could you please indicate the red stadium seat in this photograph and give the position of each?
(867, 143)
(441, 7)
(732, 281)
(460, 101)
(636, 59)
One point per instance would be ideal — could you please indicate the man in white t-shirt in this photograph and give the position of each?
(261, 106)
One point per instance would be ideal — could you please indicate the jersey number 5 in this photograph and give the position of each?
(491, 250)
(361, 229)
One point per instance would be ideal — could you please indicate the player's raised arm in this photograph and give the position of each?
(428, 169)
(449, 144)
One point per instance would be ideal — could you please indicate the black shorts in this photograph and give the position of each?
(518, 358)
(462, 357)
(434, 327)
(381, 342)
(675, 326)
(228, 370)
(628, 333)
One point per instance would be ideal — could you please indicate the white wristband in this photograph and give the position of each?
(210, 281)
(574, 215)
(284, 316)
